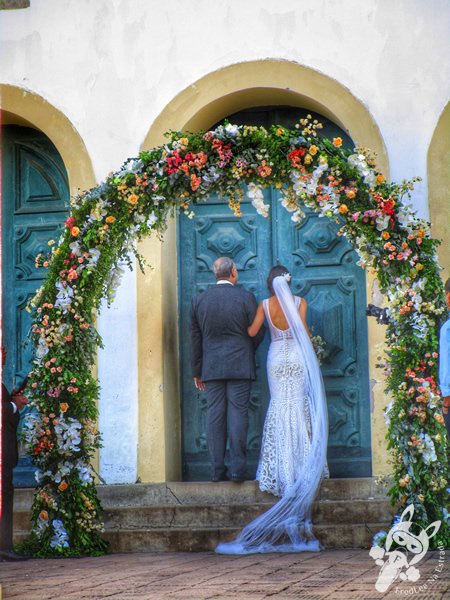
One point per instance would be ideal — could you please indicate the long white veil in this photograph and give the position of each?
(287, 526)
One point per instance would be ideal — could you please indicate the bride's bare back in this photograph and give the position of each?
(277, 316)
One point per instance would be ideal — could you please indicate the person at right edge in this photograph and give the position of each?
(11, 405)
(444, 363)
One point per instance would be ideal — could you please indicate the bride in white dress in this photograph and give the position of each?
(293, 452)
(286, 437)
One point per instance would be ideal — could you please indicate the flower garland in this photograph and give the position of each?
(86, 264)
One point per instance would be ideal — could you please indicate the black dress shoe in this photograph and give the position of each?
(220, 478)
(240, 478)
(10, 555)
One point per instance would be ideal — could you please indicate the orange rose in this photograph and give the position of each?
(343, 209)
(43, 515)
(63, 406)
(280, 131)
(337, 142)
(72, 275)
(385, 235)
(132, 199)
(75, 231)
(110, 219)
(380, 179)
(62, 486)
(313, 150)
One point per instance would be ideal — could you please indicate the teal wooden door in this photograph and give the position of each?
(35, 201)
(324, 272)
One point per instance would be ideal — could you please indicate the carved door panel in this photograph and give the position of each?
(35, 200)
(324, 271)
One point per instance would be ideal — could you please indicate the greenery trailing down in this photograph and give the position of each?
(85, 266)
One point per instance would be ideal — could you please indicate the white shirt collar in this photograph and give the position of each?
(222, 281)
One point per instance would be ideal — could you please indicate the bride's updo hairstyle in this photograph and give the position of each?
(276, 272)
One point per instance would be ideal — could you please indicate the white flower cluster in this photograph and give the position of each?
(427, 448)
(64, 296)
(114, 282)
(307, 186)
(60, 538)
(359, 162)
(256, 195)
(68, 435)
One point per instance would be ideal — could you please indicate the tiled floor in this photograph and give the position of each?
(332, 574)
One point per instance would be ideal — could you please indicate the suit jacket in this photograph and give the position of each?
(10, 421)
(220, 345)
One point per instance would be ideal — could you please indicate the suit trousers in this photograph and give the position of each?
(6, 519)
(227, 411)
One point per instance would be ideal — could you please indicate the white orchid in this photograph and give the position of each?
(152, 219)
(75, 248)
(60, 538)
(256, 195)
(68, 435)
(428, 449)
(94, 255)
(64, 296)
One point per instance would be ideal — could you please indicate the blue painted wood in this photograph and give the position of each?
(35, 204)
(324, 272)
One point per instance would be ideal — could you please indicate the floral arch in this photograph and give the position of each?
(136, 201)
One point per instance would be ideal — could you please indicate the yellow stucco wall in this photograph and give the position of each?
(439, 189)
(205, 102)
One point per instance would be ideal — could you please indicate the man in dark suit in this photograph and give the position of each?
(11, 405)
(223, 365)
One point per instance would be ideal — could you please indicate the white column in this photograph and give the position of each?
(118, 377)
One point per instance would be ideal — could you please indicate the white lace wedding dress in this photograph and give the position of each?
(286, 441)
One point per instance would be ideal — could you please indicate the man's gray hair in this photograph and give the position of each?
(222, 267)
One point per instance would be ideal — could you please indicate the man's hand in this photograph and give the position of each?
(199, 384)
(446, 405)
(19, 400)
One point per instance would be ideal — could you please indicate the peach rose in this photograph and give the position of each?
(63, 406)
(110, 219)
(75, 231)
(337, 142)
(62, 486)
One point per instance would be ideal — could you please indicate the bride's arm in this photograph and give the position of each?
(257, 321)
(302, 310)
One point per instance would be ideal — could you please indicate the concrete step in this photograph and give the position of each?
(358, 535)
(188, 516)
(227, 515)
(202, 493)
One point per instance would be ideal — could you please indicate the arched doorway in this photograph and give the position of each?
(35, 203)
(324, 272)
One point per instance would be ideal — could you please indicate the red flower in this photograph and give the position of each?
(295, 155)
